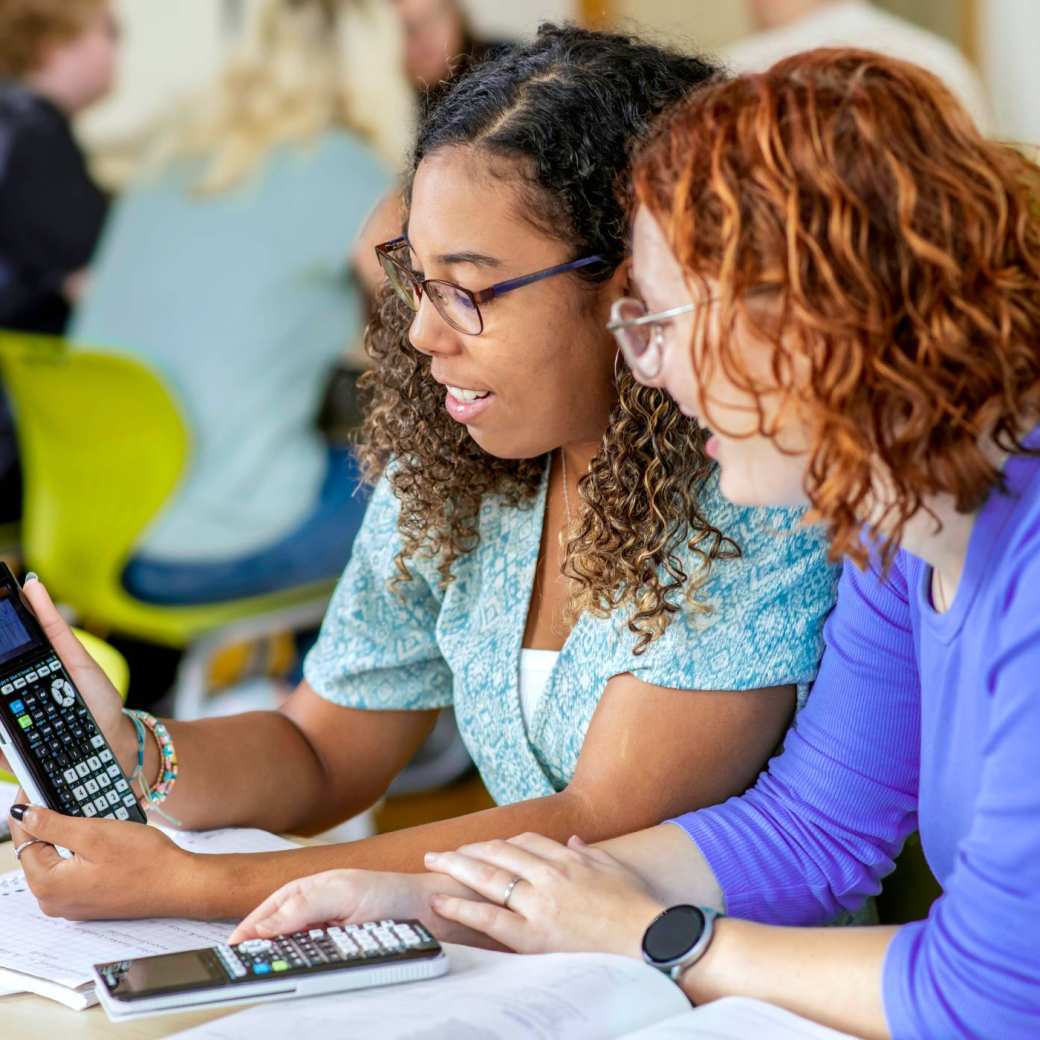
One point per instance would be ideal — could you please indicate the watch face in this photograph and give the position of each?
(673, 934)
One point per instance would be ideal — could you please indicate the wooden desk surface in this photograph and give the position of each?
(28, 1017)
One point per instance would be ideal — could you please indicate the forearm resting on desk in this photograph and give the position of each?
(231, 886)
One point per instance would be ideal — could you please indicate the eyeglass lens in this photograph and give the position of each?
(452, 302)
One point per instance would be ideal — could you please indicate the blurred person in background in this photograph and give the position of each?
(439, 41)
(57, 57)
(785, 27)
(226, 269)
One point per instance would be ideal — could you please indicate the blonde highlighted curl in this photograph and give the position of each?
(905, 251)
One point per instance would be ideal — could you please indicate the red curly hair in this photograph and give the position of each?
(904, 250)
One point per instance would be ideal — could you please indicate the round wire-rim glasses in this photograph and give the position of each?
(458, 306)
(640, 335)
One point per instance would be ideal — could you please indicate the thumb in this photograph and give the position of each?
(70, 832)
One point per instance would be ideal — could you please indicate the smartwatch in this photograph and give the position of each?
(678, 937)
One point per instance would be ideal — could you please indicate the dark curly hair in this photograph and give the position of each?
(560, 117)
(904, 248)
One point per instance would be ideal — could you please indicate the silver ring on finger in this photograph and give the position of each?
(19, 849)
(507, 894)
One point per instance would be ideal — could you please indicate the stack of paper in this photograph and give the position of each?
(54, 957)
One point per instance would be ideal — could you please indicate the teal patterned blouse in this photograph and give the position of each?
(421, 646)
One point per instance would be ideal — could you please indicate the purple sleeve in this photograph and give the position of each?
(822, 825)
(973, 968)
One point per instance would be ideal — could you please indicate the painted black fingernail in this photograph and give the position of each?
(18, 811)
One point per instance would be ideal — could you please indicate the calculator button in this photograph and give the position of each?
(98, 741)
(82, 770)
(105, 755)
(100, 804)
(104, 779)
(17, 706)
(113, 772)
(122, 814)
(80, 793)
(19, 683)
(261, 969)
(252, 946)
(7, 688)
(112, 798)
(94, 762)
(129, 800)
(70, 776)
(122, 785)
(62, 692)
(32, 677)
(89, 810)
(92, 786)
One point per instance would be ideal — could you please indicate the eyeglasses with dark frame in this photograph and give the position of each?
(458, 306)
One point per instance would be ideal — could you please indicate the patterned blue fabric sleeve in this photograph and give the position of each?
(378, 647)
(768, 608)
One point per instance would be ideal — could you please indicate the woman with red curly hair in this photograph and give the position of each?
(841, 278)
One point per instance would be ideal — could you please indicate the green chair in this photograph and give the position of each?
(112, 663)
(103, 448)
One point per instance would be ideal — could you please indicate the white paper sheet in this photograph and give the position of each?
(486, 996)
(737, 1018)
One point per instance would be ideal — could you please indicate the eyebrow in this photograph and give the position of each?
(466, 257)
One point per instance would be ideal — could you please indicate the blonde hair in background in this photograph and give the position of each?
(29, 27)
(303, 67)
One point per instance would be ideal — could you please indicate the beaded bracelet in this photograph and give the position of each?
(154, 796)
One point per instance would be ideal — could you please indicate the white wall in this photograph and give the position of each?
(519, 18)
(1009, 35)
(169, 49)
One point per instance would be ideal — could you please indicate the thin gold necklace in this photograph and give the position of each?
(566, 493)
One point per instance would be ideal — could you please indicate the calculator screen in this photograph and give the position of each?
(167, 973)
(17, 630)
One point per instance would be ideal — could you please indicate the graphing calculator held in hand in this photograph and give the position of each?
(322, 960)
(47, 733)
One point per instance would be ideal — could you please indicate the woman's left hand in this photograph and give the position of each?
(120, 869)
(572, 897)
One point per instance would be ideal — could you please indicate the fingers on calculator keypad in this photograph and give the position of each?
(333, 946)
(67, 744)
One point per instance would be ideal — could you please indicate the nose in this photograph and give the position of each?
(430, 334)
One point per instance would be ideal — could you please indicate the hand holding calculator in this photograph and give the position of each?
(321, 960)
(47, 733)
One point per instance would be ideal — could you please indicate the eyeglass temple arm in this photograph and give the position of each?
(518, 283)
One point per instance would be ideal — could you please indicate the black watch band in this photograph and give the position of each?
(678, 937)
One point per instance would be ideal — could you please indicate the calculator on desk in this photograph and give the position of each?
(322, 960)
(47, 733)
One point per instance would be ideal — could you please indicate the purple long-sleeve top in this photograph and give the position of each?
(917, 720)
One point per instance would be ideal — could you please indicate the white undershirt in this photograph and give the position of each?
(535, 668)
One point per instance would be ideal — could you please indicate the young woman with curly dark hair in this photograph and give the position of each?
(857, 273)
(535, 510)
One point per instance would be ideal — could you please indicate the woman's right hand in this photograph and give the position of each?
(100, 695)
(336, 896)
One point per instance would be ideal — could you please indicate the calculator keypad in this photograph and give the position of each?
(67, 744)
(325, 947)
